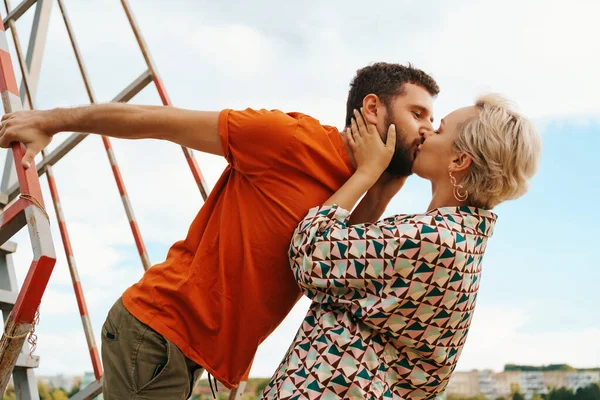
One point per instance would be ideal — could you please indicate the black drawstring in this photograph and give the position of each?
(212, 391)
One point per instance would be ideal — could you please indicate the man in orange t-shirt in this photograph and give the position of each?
(224, 288)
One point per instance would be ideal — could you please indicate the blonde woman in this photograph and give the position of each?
(393, 300)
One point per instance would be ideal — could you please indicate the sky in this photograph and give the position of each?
(538, 300)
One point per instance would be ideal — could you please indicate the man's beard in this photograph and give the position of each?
(402, 160)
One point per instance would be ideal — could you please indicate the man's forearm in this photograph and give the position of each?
(194, 129)
(119, 120)
(369, 210)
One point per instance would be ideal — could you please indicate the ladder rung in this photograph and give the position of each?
(51, 159)
(9, 247)
(59, 152)
(24, 361)
(68, 144)
(135, 87)
(7, 299)
(89, 392)
(15, 14)
(13, 219)
(3, 199)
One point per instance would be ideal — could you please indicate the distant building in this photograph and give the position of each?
(532, 383)
(487, 384)
(529, 383)
(576, 380)
(465, 383)
(555, 379)
(507, 382)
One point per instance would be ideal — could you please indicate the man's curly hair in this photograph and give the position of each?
(386, 81)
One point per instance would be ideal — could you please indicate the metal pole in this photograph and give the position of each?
(37, 45)
(85, 318)
(162, 92)
(18, 12)
(137, 235)
(35, 54)
(28, 211)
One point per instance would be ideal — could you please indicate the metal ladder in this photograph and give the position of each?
(24, 204)
(23, 376)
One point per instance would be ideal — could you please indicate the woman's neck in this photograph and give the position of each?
(442, 195)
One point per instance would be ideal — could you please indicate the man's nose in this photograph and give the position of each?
(426, 131)
(430, 127)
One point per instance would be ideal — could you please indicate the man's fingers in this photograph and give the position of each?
(391, 138)
(5, 138)
(7, 116)
(27, 159)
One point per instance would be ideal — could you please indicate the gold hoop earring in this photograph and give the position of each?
(456, 190)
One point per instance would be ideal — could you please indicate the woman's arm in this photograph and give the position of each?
(372, 158)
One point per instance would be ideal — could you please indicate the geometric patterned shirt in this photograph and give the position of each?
(392, 302)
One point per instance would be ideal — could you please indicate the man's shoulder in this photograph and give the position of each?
(308, 120)
(276, 113)
(276, 125)
(313, 129)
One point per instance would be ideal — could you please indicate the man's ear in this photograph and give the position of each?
(371, 108)
(461, 162)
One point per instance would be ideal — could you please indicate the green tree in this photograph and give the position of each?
(517, 396)
(560, 394)
(9, 394)
(74, 390)
(551, 367)
(43, 391)
(261, 385)
(590, 392)
(515, 388)
(59, 394)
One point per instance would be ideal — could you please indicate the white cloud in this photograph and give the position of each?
(240, 49)
(273, 349)
(499, 336)
(64, 352)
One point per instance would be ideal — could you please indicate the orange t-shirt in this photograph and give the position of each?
(228, 285)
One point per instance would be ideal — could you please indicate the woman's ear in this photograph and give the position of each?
(461, 162)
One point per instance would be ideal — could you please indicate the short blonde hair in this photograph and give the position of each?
(505, 148)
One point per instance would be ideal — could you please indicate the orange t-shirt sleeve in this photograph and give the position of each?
(254, 139)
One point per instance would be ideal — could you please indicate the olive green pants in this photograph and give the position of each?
(139, 363)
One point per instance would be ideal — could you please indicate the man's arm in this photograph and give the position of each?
(198, 130)
(373, 205)
(369, 210)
